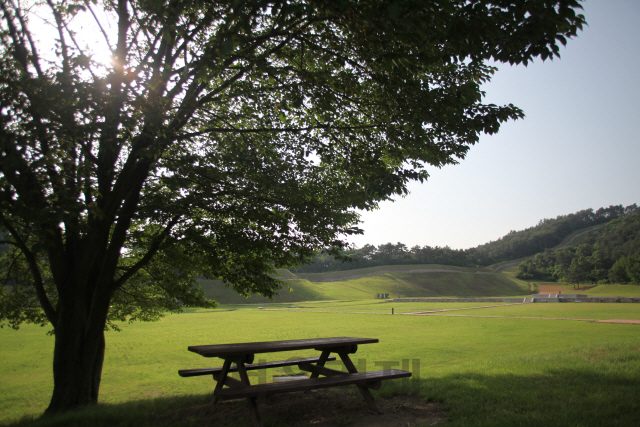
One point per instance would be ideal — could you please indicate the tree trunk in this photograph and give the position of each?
(77, 359)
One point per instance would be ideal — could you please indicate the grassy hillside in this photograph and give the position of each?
(301, 290)
(348, 274)
(365, 284)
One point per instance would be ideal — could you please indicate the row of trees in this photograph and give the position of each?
(609, 255)
(516, 244)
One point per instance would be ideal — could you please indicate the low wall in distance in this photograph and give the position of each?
(523, 299)
(488, 299)
(601, 299)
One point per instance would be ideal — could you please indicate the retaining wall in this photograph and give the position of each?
(523, 299)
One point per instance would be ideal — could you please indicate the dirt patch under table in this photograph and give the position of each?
(320, 408)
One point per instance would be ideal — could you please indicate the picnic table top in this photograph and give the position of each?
(227, 350)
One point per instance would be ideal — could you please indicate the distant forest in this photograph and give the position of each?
(517, 244)
(608, 255)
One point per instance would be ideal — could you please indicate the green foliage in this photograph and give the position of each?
(548, 233)
(626, 269)
(611, 255)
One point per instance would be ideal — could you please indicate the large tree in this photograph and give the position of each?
(224, 139)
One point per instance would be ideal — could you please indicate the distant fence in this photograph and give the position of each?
(560, 298)
(488, 299)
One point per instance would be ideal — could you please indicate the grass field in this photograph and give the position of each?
(486, 371)
(561, 310)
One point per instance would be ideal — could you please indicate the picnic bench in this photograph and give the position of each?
(239, 358)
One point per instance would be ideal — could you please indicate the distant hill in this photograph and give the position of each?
(548, 233)
(610, 254)
(416, 281)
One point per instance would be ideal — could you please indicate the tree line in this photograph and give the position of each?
(516, 244)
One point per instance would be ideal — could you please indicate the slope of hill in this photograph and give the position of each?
(416, 281)
(301, 290)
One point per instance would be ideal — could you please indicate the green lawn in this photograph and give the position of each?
(610, 290)
(346, 274)
(369, 306)
(562, 310)
(486, 371)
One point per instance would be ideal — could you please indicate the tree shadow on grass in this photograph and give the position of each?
(562, 397)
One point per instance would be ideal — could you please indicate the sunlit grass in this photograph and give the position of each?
(564, 310)
(486, 371)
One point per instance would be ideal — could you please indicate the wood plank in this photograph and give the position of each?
(253, 366)
(320, 370)
(364, 391)
(229, 350)
(323, 359)
(361, 378)
(220, 383)
(229, 381)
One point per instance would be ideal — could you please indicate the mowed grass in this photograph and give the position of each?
(599, 311)
(486, 371)
(348, 274)
(425, 285)
(300, 290)
(372, 307)
(398, 283)
(610, 290)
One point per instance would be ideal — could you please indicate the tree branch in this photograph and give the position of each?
(104, 34)
(35, 272)
(153, 250)
(66, 66)
(34, 52)
(277, 130)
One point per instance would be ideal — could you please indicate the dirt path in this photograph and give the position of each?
(440, 312)
(388, 310)
(550, 289)
(464, 308)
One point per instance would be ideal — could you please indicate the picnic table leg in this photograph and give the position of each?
(366, 394)
(221, 380)
(251, 401)
(323, 359)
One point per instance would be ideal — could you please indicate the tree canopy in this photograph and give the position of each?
(224, 139)
(610, 254)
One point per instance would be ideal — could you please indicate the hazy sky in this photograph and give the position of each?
(577, 148)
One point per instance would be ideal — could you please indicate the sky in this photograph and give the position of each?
(577, 148)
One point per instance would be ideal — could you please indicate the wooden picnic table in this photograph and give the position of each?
(242, 355)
